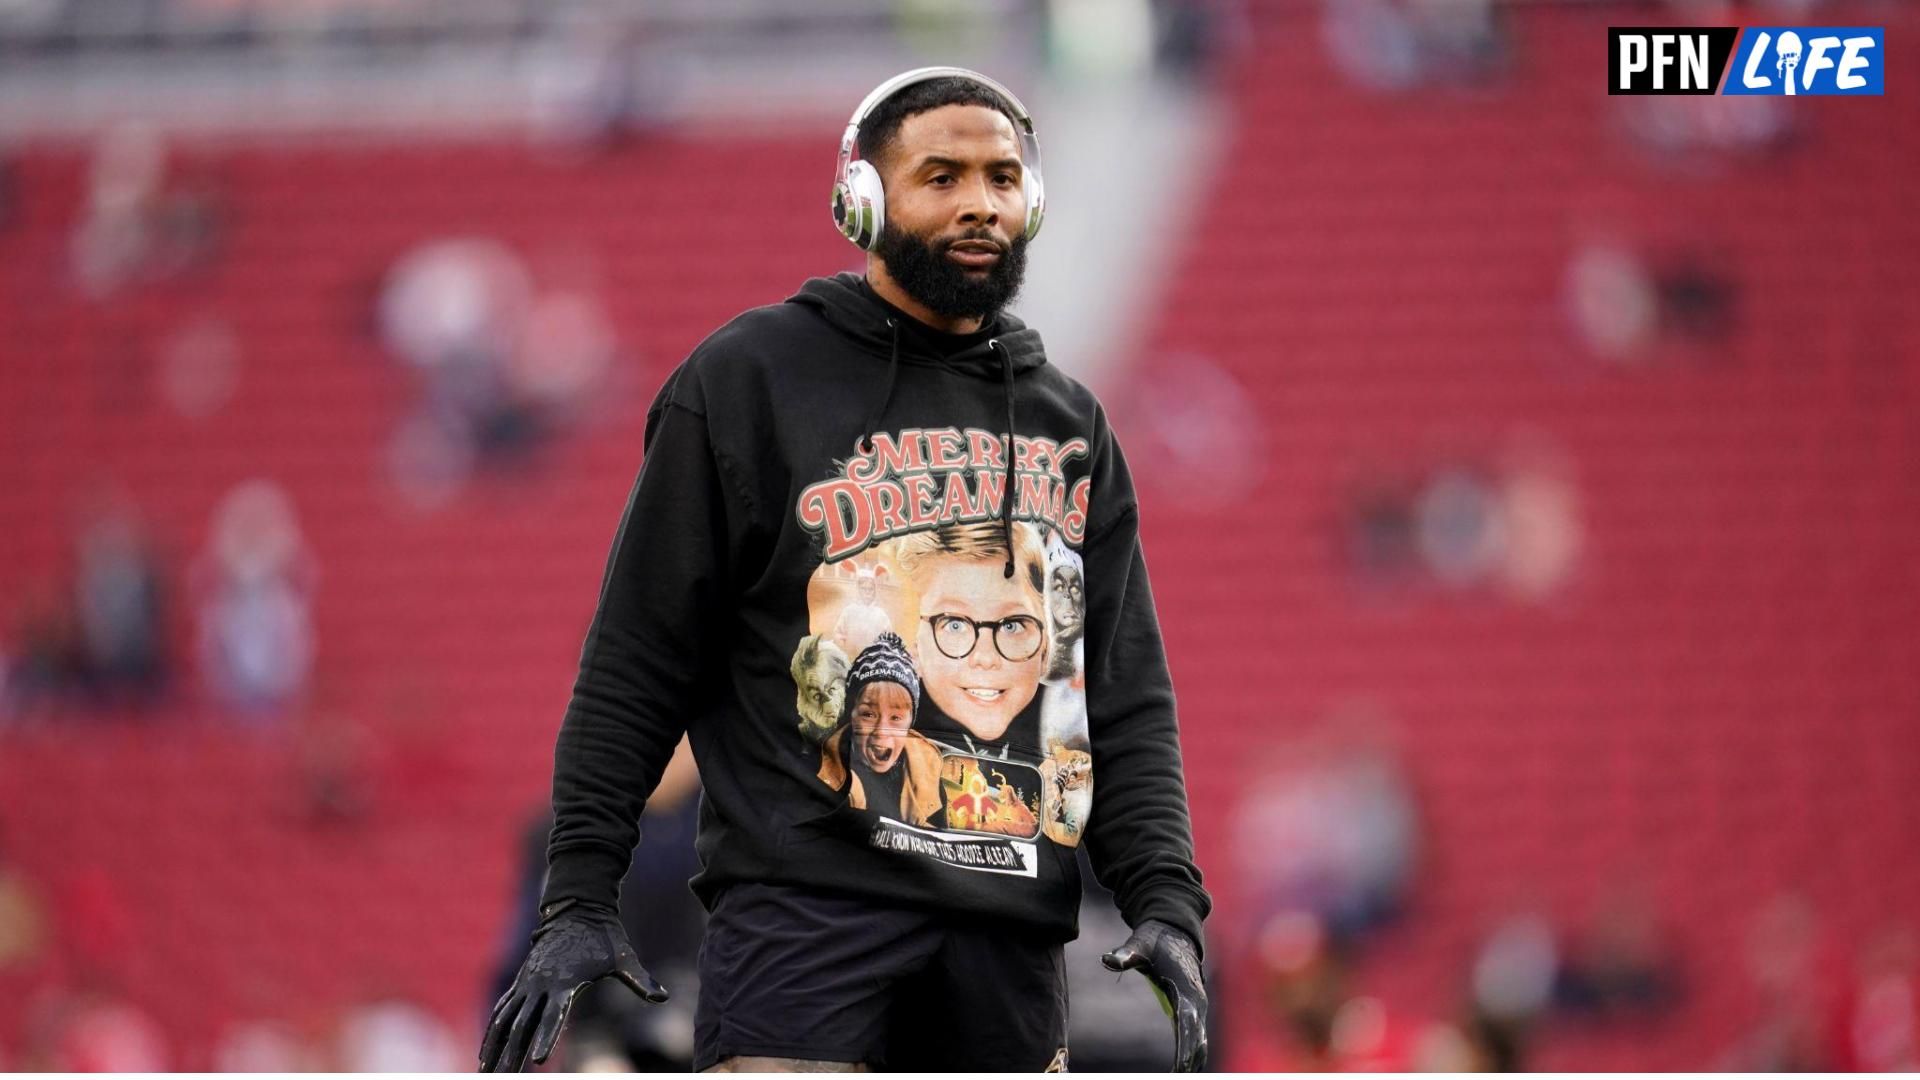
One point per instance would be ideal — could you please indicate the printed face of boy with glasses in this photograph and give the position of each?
(982, 644)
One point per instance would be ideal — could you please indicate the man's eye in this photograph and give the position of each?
(942, 178)
(1003, 178)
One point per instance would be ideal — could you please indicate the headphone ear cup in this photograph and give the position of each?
(866, 206)
(1036, 193)
(844, 217)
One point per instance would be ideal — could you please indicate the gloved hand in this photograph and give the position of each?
(1171, 963)
(572, 948)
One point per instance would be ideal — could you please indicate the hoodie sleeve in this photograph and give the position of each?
(1139, 837)
(648, 650)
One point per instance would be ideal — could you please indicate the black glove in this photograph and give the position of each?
(574, 947)
(1171, 963)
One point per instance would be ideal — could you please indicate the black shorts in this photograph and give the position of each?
(794, 973)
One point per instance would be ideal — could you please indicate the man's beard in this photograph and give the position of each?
(947, 289)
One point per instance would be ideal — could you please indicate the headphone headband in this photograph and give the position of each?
(859, 208)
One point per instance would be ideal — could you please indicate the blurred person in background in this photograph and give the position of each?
(1334, 832)
(256, 581)
(118, 595)
(137, 224)
(504, 362)
(1622, 965)
(611, 1029)
(841, 938)
(49, 662)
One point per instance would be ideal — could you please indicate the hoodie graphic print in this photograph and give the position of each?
(898, 603)
(945, 696)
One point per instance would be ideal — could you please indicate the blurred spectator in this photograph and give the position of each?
(453, 310)
(394, 1035)
(1379, 533)
(51, 661)
(1309, 1019)
(1458, 526)
(118, 595)
(1194, 37)
(1115, 1024)
(1631, 310)
(1334, 834)
(606, 82)
(1403, 44)
(1512, 985)
(333, 759)
(1298, 983)
(503, 365)
(135, 225)
(611, 1028)
(1510, 528)
(1622, 964)
(255, 581)
(1541, 520)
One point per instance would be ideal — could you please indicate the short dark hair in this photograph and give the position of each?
(881, 130)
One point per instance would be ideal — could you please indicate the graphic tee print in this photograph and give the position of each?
(941, 696)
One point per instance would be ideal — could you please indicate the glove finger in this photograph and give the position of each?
(500, 1007)
(1126, 957)
(552, 1020)
(642, 983)
(496, 1039)
(515, 1058)
(1189, 1038)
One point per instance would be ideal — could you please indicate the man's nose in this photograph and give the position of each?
(978, 208)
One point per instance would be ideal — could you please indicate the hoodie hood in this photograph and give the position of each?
(1015, 349)
(847, 309)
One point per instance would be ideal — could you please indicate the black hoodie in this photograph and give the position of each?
(815, 476)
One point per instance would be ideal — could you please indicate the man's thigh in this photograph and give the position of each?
(993, 999)
(791, 975)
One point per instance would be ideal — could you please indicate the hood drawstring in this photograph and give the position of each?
(1006, 494)
(893, 370)
(1006, 378)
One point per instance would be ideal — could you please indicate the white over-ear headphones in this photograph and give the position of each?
(859, 201)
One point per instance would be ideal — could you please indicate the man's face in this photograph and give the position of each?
(868, 590)
(983, 691)
(955, 238)
(881, 721)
